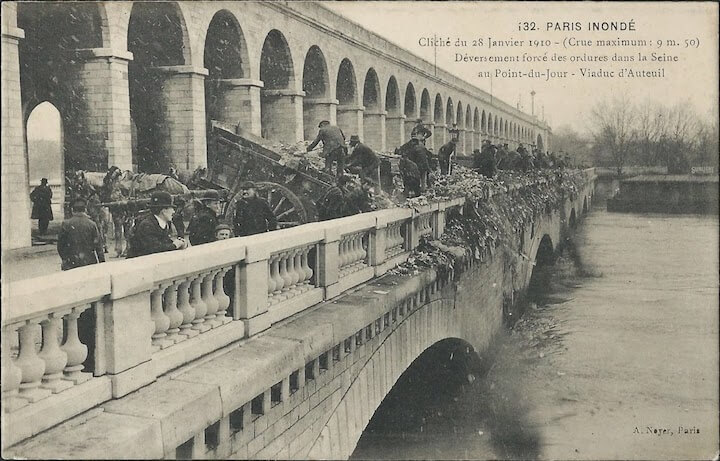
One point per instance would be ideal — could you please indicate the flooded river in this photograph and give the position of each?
(616, 359)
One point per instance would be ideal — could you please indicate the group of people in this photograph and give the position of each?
(159, 229)
(491, 158)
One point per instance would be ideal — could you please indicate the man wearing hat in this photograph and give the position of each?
(334, 149)
(363, 161)
(203, 222)
(153, 234)
(252, 214)
(41, 197)
(79, 242)
(420, 131)
(223, 232)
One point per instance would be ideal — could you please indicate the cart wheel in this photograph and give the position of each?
(286, 206)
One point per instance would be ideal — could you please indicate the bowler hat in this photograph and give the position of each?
(419, 120)
(354, 138)
(247, 185)
(323, 122)
(210, 196)
(160, 200)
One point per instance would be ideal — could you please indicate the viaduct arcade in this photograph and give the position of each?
(136, 84)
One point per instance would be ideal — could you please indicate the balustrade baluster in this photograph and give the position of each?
(270, 279)
(198, 304)
(32, 366)
(354, 254)
(343, 253)
(363, 250)
(76, 351)
(187, 310)
(297, 273)
(307, 268)
(208, 297)
(287, 280)
(222, 298)
(11, 374)
(170, 303)
(55, 358)
(279, 281)
(162, 321)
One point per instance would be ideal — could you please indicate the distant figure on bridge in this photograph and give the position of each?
(411, 176)
(445, 156)
(363, 161)
(41, 197)
(153, 234)
(525, 160)
(415, 152)
(79, 243)
(334, 149)
(420, 131)
(253, 215)
(204, 221)
(484, 161)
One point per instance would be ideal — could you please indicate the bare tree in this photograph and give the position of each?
(612, 126)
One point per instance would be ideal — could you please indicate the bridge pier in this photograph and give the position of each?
(316, 110)
(350, 119)
(395, 131)
(374, 129)
(239, 104)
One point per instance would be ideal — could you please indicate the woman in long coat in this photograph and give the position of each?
(41, 197)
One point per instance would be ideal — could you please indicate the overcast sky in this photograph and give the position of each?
(694, 79)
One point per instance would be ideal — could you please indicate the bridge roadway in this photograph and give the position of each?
(292, 364)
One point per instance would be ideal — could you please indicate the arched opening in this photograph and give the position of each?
(394, 125)
(449, 113)
(434, 380)
(50, 70)
(157, 40)
(346, 88)
(44, 138)
(315, 84)
(572, 222)
(410, 102)
(392, 98)
(278, 77)
(500, 128)
(507, 129)
(541, 274)
(225, 58)
(425, 106)
(540, 145)
(460, 117)
(438, 115)
(495, 126)
(483, 122)
(371, 91)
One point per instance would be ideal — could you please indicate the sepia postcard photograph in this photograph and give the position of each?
(366, 230)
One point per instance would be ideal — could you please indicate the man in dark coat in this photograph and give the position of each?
(411, 176)
(252, 214)
(153, 234)
(79, 242)
(417, 153)
(420, 131)
(445, 155)
(484, 162)
(41, 197)
(363, 161)
(204, 221)
(334, 149)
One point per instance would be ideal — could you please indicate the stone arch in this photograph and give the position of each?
(425, 106)
(410, 106)
(44, 144)
(438, 110)
(392, 97)
(483, 122)
(540, 145)
(476, 128)
(50, 71)
(371, 91)
(469, 123)
(346, 87)
(507, 130)
(226, 59)
(449, 113)
(158, 39)
(460, 116)
(278, 94)
(316, 85)
(337, 441)
(495, 126)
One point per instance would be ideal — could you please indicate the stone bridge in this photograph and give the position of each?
(279, 345)
(135, 85)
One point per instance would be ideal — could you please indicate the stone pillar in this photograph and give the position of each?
(316, 110)
(282, 115)
(477, 143)
(15, 200)
(469, 141)
(104, 79)
(409, 124)
(430, 142)
(239, 104)
(461, 142)
(394, 131)
(350, 120)
(184, 103)
(374, 129)
(440, 134)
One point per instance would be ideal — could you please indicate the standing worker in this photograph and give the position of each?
(410, 175)
(252, 214)
(417, 153)
(153, 233)
(363, 160)
(204, 221)
(484, 162)
(446, 154)
(334, 149)
(79, 243)
(41, 197)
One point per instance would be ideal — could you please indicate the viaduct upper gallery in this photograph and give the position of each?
(135, 85)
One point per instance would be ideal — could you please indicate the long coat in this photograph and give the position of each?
(332, 138)
(148, 238)
(253, 216)
(41, 197)
(202, 226)
(79, 242)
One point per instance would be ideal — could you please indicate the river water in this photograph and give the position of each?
(617, 358)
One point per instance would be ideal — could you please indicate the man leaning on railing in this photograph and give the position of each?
(153, 233)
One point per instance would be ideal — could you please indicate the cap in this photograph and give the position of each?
(355, 138)
(222, 226)
(161, 199)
